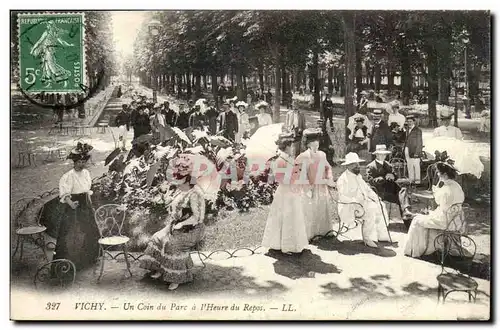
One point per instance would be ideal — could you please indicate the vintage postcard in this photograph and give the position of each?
(250, 165)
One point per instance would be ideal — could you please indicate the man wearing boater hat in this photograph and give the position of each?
(445, 129)
(381, 133)
(353, 189)
(381, 176)
(413, 149)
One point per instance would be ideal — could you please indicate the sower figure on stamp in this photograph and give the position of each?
(382, 177)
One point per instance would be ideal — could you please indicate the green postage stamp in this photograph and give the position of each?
(52, 52)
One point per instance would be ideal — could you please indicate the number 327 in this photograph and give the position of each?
(52, 306)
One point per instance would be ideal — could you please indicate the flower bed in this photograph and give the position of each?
(140, 181)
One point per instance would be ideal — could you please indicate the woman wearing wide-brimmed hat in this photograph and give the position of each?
(317, 171)
(167, 255)
(78, 232)
(286, 221)
(422, 232)
(243, 121)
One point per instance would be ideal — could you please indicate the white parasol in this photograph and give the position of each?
(464, 154)
(262, 144)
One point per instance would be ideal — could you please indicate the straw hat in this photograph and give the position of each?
(262, 104)
(352, 158)
(381, 149)
(241, 104)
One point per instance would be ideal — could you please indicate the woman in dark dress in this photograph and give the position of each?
(78, 232)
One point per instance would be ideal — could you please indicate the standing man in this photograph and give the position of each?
(295, 123)
(328, 110)
(159, 124)
(413, 149)
(168, 113)
(197, 119)
(212, 113)
(380, 133)
(122, 121)
(183, 118)
(228, 122)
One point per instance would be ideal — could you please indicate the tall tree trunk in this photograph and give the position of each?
(378, 76)
(390, 70)
(341, 78)
(406, 78)
(232, 79)
(350, 51)
(205, 82)
(239, 85)
(444, 74)
(245, 87)
(277, 86)
(359, 73)
(198, 85)
(432, 62)
(189, 85)
(213, 78)
(311, 78)
(283, 84)
(330, 80)
(317, 83)
(293, 79)
(261, 78)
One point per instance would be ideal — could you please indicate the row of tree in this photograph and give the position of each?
(101, 62)
(196, 46)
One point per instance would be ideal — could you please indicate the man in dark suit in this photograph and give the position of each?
(413, 149)
(183, 117)
(380, 132)
(212, 113)
(381, 176)
(170, 114)
(295, 123)
(228, 122)
(328, 110)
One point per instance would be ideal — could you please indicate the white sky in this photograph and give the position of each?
(126, 25)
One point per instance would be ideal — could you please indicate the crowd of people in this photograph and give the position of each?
(302, 204)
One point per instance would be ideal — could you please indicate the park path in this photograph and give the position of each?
(333, 280)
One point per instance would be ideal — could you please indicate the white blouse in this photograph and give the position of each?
(73, 182)
(264, 119)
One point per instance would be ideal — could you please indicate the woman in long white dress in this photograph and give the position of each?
(422, 232)
(318, 173)
(285, 227)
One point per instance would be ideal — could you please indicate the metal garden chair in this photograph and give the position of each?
(453, 242)
(60, 272)
(27, 212)
(110, 219)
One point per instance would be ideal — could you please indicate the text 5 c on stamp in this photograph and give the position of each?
(52, 52)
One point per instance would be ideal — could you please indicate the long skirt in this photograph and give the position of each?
(286, 222)
(422, 233)
(169, 253)
(78, 234)
(319, 211)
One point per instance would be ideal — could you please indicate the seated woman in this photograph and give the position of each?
(167, 254)
(359, 138)
(446, 193)
(78, 233)
(286, 222)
